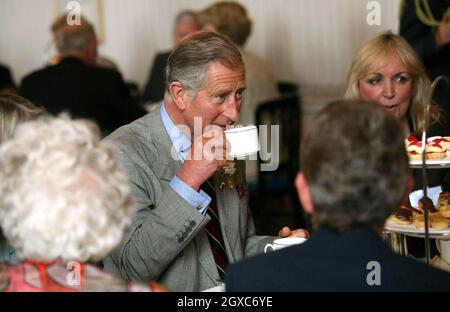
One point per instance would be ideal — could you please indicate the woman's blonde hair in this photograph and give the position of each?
(379, 48)
(14, 110)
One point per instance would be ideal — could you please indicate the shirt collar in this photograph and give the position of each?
(180, 142)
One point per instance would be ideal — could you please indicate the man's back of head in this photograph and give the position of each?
(75, 40)
(354, 162)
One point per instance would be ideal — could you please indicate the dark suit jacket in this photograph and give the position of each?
(331, 262)
(84, 91)
(156, 82)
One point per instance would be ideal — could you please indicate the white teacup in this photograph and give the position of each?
(243, 140)
(444, 249)
(281, 243)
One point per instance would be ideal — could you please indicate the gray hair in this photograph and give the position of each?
(72, 37)
(62, 195)
(355, 163)
(189, 62)
(186, 16)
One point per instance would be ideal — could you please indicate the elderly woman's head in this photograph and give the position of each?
(62, 195)
(386, 70)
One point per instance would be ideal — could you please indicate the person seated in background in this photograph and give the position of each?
(13, 111)
(79, 87)
(63, 203)
(354, 173)
(231, 19)
(425, 24)
(185, 23)
(387, 70)
(53, 59)
(6, 81)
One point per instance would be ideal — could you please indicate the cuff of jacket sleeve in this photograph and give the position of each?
(199, 200)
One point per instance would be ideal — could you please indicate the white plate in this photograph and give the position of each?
(434, 162)
(442, 162)
(432, 193)
(431, 163)
(220, 288)
(411, 229)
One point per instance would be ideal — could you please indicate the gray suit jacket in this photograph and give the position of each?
(167, 240)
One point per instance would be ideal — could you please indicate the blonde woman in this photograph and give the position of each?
(386, 70)
(63, 203)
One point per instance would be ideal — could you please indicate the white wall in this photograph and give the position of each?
(310, 42)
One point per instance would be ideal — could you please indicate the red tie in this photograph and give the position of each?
(214, 233)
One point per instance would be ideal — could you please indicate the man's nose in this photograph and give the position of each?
(232, 110)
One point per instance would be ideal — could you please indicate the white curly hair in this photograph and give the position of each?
(62, 195)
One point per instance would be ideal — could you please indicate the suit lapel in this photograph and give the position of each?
(230, 235)
(206, 257)
(168, 164)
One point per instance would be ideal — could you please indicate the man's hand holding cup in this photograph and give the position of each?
(208, 153)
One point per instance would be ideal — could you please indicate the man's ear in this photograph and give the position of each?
(178, 94)
(303, 193)
(90, 53)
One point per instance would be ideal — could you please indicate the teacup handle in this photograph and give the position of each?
(268, 246)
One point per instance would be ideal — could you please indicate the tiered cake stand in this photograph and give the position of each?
(396, 234)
